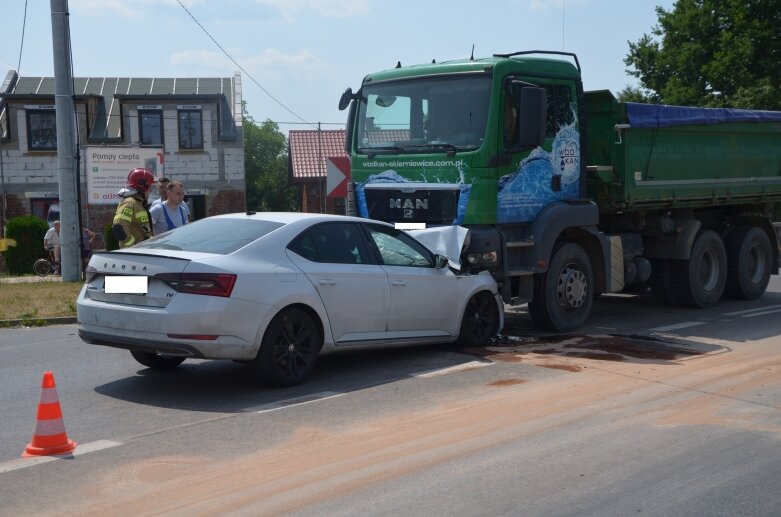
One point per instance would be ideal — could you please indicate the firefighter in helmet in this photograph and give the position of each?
(132, 223)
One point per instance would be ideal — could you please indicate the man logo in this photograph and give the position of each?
(409, 204)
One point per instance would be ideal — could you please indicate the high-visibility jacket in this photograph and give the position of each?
(133, 216)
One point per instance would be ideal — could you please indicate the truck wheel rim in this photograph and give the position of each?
(572, 288)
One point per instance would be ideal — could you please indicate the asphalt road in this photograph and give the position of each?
(649, 409)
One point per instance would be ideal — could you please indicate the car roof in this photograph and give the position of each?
(293, 217)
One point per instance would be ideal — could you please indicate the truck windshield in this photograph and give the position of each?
(426, 114)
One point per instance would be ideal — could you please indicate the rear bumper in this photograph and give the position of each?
(224, 347)
(140, 345)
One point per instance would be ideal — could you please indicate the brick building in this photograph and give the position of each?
(193, 126)
(308, 151)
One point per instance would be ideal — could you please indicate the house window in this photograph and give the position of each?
(5, 135)
(150, 127)
(190, 129)
(41, 130)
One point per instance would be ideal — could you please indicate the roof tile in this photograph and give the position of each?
(309, 148)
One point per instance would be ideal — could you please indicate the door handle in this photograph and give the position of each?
(326, 281)
(398, 282)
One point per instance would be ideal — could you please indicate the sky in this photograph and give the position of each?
(298, 56)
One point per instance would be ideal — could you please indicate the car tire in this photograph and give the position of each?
(289, 349)
(480, 320)
(563, 295)
(749, 256)
(43, 267)
(157, 362)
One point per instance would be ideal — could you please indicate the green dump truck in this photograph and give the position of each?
(569, 194)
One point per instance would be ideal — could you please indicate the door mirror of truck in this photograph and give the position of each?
(533, 115)
(385, 101)
(344, 101)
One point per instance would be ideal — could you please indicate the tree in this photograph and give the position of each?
(716, 53)
(633, 94)
(265, 164)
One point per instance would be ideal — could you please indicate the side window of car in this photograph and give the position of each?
(304, 245)
(399, 249)
(339, 243)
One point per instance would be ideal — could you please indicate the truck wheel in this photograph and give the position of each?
(749, 257)
(699, 281)
(157, 362)
(563, 294)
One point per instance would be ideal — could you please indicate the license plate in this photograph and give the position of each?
(126, 285)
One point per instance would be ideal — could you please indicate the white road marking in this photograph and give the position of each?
(283, 404)
(685, 324)
(760, 313)
(82, 448)
(738, 313)
(451, 369)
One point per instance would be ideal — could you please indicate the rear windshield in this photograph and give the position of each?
(212, 235)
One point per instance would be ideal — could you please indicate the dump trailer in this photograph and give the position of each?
(569, 194)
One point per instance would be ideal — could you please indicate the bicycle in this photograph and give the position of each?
(45, 266)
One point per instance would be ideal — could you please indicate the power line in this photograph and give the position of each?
(21, 46)
(242, 68)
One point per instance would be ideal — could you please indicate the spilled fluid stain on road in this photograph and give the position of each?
(602, 347)
(506, 382)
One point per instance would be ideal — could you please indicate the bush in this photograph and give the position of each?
(28, 232)
(108, 238)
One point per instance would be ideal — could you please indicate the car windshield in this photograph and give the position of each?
(424, 115)
(212, 235)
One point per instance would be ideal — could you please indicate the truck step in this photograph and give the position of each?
(520, 272)
(520, 244)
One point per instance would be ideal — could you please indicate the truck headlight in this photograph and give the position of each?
(486, 257)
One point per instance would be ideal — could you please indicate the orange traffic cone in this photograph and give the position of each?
(49, 438)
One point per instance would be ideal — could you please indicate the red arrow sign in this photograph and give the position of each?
(338, 169)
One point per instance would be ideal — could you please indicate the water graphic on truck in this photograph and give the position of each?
(525, 192)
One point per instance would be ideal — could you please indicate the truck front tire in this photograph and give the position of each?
(563, 295)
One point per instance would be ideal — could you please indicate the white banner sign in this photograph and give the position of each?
(108, 167)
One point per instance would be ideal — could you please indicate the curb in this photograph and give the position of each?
(29, 279)
(37, 322)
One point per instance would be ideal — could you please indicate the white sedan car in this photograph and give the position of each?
(278, 289)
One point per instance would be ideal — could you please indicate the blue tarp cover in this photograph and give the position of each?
(658, 115)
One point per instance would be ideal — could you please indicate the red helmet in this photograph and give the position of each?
(140, 179)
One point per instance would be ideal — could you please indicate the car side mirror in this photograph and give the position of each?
(440, 261)
(533, 117)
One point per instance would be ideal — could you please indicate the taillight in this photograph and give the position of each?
(210, 284)
(90, 273)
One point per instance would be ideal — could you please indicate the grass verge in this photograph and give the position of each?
(32, 301)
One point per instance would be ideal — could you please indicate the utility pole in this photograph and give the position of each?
(70, 233)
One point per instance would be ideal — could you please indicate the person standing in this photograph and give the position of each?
(171, 213)
(162, 183)
(51, 241)
(132, 223)
(89, 243)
